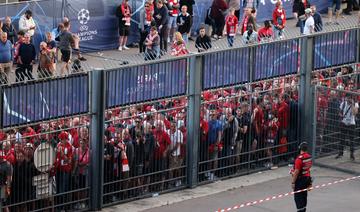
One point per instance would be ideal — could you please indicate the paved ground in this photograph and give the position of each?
(114, 58)
(236, 191)
(330, 199)
(343, 163)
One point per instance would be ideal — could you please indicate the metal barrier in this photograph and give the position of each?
(226, 68)
(249, 128)
(44, 100)
(50, 163)
(144, 150)
(335, 48)
(337, 121)
(127, 103)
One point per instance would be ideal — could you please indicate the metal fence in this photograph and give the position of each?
(50, 163)
(166, 124)
(248, 128)
(337, 119)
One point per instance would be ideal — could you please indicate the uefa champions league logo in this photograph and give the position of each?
(83, 16)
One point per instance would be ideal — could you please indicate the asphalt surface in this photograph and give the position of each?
(114, 58)
(342, 197)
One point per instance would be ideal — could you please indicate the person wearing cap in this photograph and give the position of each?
(309, 26)
(63, 163)
(301, 177)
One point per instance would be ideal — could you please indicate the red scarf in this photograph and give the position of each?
(149, 11)
(125, 10)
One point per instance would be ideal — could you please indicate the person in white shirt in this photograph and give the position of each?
(27, 23)
(175, 157)
(348, 110)
(309, 23)
(250, 36)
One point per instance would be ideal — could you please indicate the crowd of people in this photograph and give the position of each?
(338, 118)
(241, 128)
(162, 23)
(170, 21)
(252, 126)
(17, 49)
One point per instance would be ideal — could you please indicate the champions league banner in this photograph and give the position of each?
(226, 68)
(277, 59)
(144, 83)
(335, 49)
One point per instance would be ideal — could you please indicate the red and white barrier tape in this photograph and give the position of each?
(285, 195)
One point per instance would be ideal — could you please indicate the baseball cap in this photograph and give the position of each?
(308, 10)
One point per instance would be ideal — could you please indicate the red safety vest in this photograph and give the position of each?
(304, 163)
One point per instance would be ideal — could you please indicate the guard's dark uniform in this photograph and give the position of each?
(302, 163)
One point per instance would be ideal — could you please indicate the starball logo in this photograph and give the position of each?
(85, 33)
(84, 16)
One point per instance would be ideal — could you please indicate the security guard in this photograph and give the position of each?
(301, 178)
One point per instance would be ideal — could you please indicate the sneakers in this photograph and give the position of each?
(126, 48)
(120, 48)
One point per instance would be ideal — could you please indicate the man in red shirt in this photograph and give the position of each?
(283, 113)
(231, 26)
(63, 163)
(301, 178)
(257, 120)
(162, 147)
(265, 33)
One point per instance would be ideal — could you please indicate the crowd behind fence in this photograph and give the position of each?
(248, 121)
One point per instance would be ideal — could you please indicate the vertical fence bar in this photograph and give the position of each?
(306, 99)
(97, 108)
(193, 120)
(358, 45)
(1, 108)
(314, 91)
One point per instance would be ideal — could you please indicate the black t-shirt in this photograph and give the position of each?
(243, 120)
(203, 42)
(27, 53)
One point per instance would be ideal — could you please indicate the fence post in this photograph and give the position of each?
(1, 108)
(193, 118)
(97, 108)
(358, 45)
(306, 100)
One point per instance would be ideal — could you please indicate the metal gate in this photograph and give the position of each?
(337, 123)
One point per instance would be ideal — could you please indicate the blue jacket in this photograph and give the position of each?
(318, 22)
(6, 53)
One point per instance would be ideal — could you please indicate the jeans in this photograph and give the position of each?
(185, 37)
(278, 32)
(302, 25)
(230, 40)
(164, 34)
